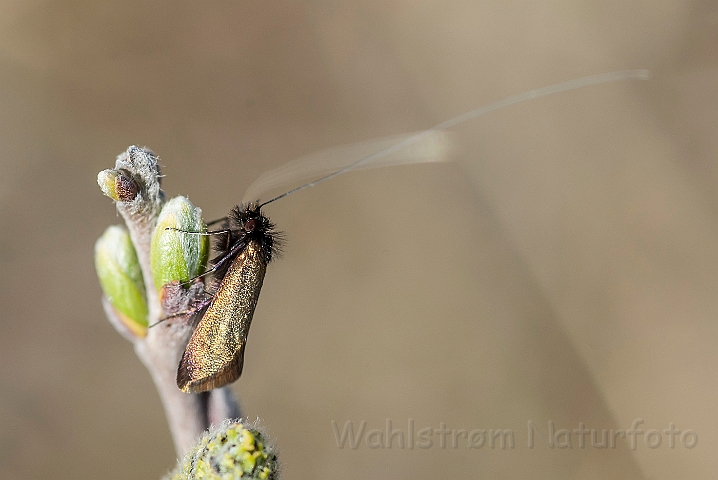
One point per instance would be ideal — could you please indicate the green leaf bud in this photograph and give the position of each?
(175, 254)
(121, 278)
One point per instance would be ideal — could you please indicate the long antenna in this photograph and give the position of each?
(506, 102)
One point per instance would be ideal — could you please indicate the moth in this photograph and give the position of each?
(214, 355)
(248, 241)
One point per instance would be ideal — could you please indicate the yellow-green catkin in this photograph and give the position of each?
(230, 451)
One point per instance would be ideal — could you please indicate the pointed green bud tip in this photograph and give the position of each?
(117, 184)
(121, 278)
(230, 451)
(177, 253)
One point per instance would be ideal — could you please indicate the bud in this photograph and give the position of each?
(231, 451)
(121, 278)
(117, 184)
(176, 255)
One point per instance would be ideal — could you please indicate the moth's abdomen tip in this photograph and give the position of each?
(190, 381)
(200, 385)
(184, 382)
(185, 387)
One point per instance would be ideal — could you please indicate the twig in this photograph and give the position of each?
(134, 184)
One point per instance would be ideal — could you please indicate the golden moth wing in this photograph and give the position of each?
(215, 352)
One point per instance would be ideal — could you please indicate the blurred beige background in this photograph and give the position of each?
(563, 269)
